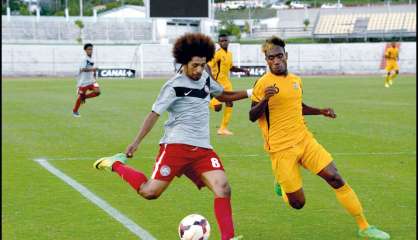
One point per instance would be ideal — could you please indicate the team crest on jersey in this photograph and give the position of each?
(165, 171)
(206, 88)
(295, 85)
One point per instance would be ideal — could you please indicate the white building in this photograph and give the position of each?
(126, 11)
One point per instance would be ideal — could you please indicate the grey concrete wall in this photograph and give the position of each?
(153, 59)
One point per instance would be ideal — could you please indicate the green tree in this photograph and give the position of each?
(23, 10)
(306, 23)
(247, 27)
(80, 25)
(229, 28)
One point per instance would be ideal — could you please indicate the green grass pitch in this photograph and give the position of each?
(372, 141)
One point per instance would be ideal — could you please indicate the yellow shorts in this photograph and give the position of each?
(391, 66)
(286, 163)
(227, 85)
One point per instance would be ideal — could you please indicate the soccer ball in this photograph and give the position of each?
(194, 227)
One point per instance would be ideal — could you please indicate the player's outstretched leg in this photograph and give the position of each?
(116, 163)
(349, 200)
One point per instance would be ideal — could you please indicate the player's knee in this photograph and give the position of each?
(229, 104)
(335, 180)
(218, 108)
(222, 189)
(149, 194)
(297, 203)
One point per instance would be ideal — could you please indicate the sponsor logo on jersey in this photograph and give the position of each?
(206, 89)
(295, 85)
(165, 170)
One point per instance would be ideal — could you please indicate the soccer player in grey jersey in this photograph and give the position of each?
(185, 146)
(87, 86)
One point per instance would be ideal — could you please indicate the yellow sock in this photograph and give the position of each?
(394, 76)
(226, 117)
(284, 196)
(387, 79)
(349, 200)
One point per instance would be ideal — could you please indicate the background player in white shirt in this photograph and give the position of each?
(87, 86)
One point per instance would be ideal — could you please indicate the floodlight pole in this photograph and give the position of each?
(8, 11)
(81, 8)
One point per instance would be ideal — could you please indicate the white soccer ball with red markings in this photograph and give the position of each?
(194, 227)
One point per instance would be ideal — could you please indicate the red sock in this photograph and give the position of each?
(77, 104)
(130, 175)
(90, 95)
(223, 214)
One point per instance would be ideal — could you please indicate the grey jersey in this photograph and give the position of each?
(187, 103)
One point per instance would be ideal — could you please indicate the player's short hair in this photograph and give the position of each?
(87, 45)
(222, 35)
(193, 45)
(272, 42)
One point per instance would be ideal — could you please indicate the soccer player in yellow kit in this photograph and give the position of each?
(221, 65)
(392, 56)
(277, 105)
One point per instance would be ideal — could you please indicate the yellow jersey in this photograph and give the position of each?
(221, 64)
(282, 125)
(392, 54)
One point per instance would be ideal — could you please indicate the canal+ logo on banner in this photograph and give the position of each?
(112, 72)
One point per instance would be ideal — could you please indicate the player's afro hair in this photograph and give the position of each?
(193, 45)
(272, 42)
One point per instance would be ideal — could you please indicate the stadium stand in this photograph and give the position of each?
(366, 25)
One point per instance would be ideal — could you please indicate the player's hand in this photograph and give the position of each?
(328, 112)
(131, 149)
(270, 91)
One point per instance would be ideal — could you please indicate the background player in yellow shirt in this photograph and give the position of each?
(392, 56)
(221, 65)
(277, 105)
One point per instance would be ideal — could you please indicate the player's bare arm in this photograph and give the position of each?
(258, 108)
(148, 124)
(327, 112)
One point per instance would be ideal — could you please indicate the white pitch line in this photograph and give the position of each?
(249, 155)
(128, 223)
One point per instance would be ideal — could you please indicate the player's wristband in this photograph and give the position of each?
(249, 92)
